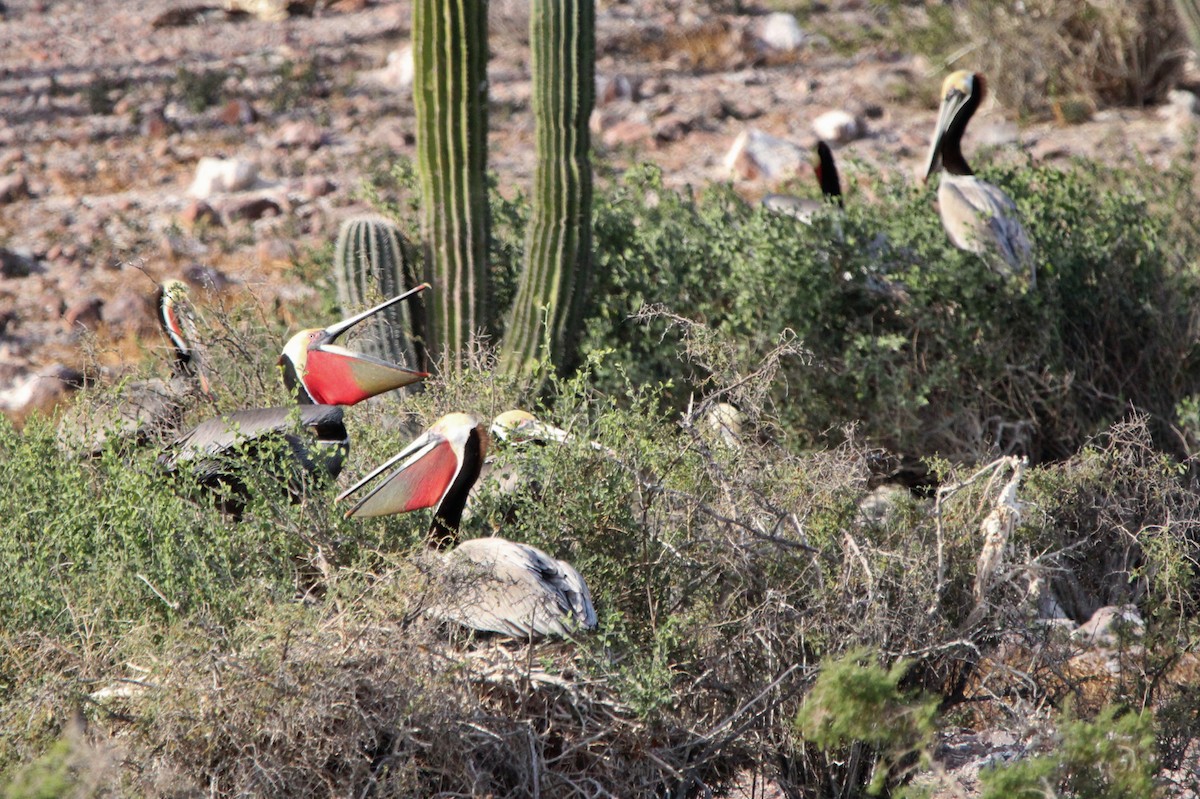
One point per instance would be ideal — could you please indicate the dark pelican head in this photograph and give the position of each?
(827, 174)
(318, 371)
(962, 93)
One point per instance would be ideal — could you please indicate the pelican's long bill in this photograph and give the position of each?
(329, 374)
(427, 469)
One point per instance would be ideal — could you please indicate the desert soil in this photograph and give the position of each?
(100, 141)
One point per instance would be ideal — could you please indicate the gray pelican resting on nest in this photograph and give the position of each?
(491, 584)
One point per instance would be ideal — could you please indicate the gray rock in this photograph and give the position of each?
(18, 263)
(756, 155)
(838, 126)
(219, 175)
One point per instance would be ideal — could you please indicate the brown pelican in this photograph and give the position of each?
(314, 368)
(978, 216)
(494, 585)
(321, 372)
(804, 208)
(516, 429)
(150, 408)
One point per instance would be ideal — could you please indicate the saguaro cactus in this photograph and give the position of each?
(373, 261)
(1189, 15)
(548, 309)
(450, 93)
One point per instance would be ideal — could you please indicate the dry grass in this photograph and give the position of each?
(1063, 57)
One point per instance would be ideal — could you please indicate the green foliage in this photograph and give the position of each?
(199, 90)
(909, 337)
(855, 703)
(296, 83)
(288, 653)
(1112, 757)
(48, 777)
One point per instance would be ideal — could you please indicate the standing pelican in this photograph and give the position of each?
(496, 585)
(153, 407)
(977, 215)
(804, 208)
(322, 377)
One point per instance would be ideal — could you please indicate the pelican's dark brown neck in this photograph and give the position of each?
(443, 533)
(952, 158)
(292, 382)
(827, 174)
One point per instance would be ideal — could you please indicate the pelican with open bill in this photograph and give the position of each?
(488, 584)
(320, 372)
(322, 377)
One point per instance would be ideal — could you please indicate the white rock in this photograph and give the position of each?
(837, 126)
(780, 31)
(757, 155)
(397, 75)
(1184, 100)
(1101, 628)
(217, 175)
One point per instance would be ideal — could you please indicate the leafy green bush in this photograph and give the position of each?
(912, 340)
(289, 654)
(854, 704)
(1112, 757)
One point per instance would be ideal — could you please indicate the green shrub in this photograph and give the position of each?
(288, 653)
(855, 704)
(911, 339)
(1112, 757)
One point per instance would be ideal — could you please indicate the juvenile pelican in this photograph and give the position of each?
(804, 208)
(493, 585)
(154, 407)
(978, 216)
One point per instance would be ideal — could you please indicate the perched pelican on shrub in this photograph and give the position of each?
(492, 584)
(804, 208)
(978, 216)
(322, 377)
(150, 408)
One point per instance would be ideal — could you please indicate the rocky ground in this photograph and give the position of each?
(107, 107)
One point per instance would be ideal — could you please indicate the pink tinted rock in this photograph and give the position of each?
(84, 313)
(130, 311)
(196, 212)
(13, 187)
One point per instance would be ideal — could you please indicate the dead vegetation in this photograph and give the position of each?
(1072, 58)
